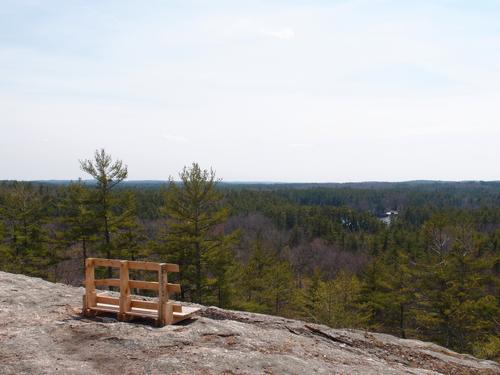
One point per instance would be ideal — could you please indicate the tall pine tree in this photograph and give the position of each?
(107, 174)
(195, 237)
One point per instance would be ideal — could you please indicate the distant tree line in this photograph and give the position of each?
(316, 253)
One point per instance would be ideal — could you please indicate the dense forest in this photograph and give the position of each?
(318, 252)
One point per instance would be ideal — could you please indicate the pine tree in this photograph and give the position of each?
(312, 297)
(78, 219)
(130, 237)
(221, 267)
(6, 253)
(456, 309)
(27, 237)
(252, 281)
(388, 292)
(339, 301)
(401, 280)
(280, 291)
(108, 175)
(195, 237)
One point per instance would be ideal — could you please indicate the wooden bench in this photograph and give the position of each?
(162, 310)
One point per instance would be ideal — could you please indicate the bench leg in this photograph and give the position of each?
(85, 310)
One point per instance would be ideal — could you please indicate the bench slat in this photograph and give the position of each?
(124, 306)
(108, 300)
(145, 304)
(107, 282)
(99, 262)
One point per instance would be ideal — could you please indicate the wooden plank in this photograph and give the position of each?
(139, 284)
(147, 266)
(152, 305)
(108, 300)
(99, 262)
(149, 285)
(135, 264)
(106, 308)
(187, 312)
(162, 297)
(151, 314)
(171, 267)
(84, 309)
(124, 289)
(168, 313)
(173, 288)
(107, 282)
(90, 293)
(163, 310)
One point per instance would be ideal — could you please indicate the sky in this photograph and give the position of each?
(285, 91)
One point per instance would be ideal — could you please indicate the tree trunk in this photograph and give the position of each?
(402, 320)
(198, 273)
(198, 259)
(219, 295)
(107, 239)
(84, 251)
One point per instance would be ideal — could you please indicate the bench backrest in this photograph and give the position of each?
(125, 302)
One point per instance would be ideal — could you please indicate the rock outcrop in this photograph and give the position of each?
(42, 332)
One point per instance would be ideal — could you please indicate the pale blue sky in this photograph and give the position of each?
(345, 90)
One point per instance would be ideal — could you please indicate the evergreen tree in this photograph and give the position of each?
(456, 309)
(339, 301)
(388, 294)
(78, 219)
(195, 237)
(280, 292)
(108, 175)
(130, 240)
(30, 247)
(222, 272)
(253, 278)
(312, 297)
(433, 274)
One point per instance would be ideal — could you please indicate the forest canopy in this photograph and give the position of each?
(319, 252)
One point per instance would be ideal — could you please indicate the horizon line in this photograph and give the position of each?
(262, 182)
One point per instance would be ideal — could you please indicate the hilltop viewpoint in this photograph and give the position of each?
(42, 331)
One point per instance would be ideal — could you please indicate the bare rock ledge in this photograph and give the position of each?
(42, 332)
